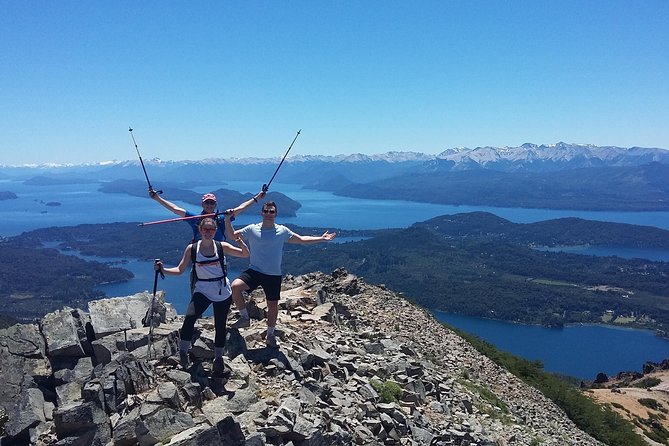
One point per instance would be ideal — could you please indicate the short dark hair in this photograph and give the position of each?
(270, 204)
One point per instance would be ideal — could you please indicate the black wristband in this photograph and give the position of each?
(255, 199)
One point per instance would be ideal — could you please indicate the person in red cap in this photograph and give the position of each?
(208, 207)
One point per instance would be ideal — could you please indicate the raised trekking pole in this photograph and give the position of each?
(265, 187)
(149, 314)
(141, 161)
(170, 220)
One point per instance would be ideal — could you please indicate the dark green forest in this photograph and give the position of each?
(34, 282)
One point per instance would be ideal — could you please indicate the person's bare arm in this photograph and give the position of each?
(245, 205)
(175, 270)
(310, 239)
(181, 212)
(238, 251)
(230, 232)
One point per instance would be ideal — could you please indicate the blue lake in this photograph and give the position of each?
(83, 203)
(576, 350)
(580, 351)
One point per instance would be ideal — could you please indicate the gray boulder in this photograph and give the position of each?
(22, 353)
(65, 333)
(161, 426)
(124, 313)
(26, 412)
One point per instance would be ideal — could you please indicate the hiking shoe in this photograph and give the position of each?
(243, 322)
(270, 340)
(218, 367)
(184, 360)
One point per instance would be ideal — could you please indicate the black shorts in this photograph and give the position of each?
(270, 284)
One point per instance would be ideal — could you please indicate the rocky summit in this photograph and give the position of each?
(355, 364)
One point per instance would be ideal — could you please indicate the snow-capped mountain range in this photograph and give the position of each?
(527, 157)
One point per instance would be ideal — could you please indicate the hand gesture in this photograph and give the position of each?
(328, 235)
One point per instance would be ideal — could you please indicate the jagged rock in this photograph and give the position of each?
(76, 419)
(72, 369)
(65, 333)
(164, 343)
(161, 426)
(124, 431)
(22, 353)
(26, 412)
(230, 432)
(193, 393)
(201, 435)
(117, 314)
(68, 393)
(169, 393)
(601, 378)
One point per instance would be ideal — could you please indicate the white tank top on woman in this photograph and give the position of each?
(215, 291)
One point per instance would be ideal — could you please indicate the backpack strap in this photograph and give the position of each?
(221, 259)
(193, 274)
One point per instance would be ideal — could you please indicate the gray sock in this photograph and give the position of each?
(184, 346)
(244, 313)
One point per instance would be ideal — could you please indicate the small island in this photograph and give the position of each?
(7, 195)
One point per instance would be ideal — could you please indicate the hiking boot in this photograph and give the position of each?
(270, 340)
(184, 360)
(218, 368)
(243, 322)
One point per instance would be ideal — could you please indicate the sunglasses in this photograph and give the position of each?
(269, 211)
(208, 229)
(210, 202)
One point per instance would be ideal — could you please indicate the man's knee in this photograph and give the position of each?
(239, 286)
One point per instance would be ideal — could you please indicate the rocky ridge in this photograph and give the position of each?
(356, 364)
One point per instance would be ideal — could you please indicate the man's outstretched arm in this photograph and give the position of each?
(311, 239)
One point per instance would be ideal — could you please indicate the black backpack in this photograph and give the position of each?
(221, 258)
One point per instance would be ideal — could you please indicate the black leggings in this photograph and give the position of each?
(198, 305)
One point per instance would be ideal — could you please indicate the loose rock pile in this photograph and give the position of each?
(356, 364)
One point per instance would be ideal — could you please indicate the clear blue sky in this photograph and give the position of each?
(202, 79)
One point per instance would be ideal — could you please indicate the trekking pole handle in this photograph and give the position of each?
(158, 271)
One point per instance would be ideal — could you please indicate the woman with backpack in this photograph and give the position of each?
(210, 285)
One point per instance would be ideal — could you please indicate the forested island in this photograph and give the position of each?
(636, 188)
(474, 263)
(7, 195)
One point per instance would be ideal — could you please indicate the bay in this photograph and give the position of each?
(581, 351)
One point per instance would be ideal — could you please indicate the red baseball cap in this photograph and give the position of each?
(206, 197)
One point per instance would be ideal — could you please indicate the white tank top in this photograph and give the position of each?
(210, 268)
